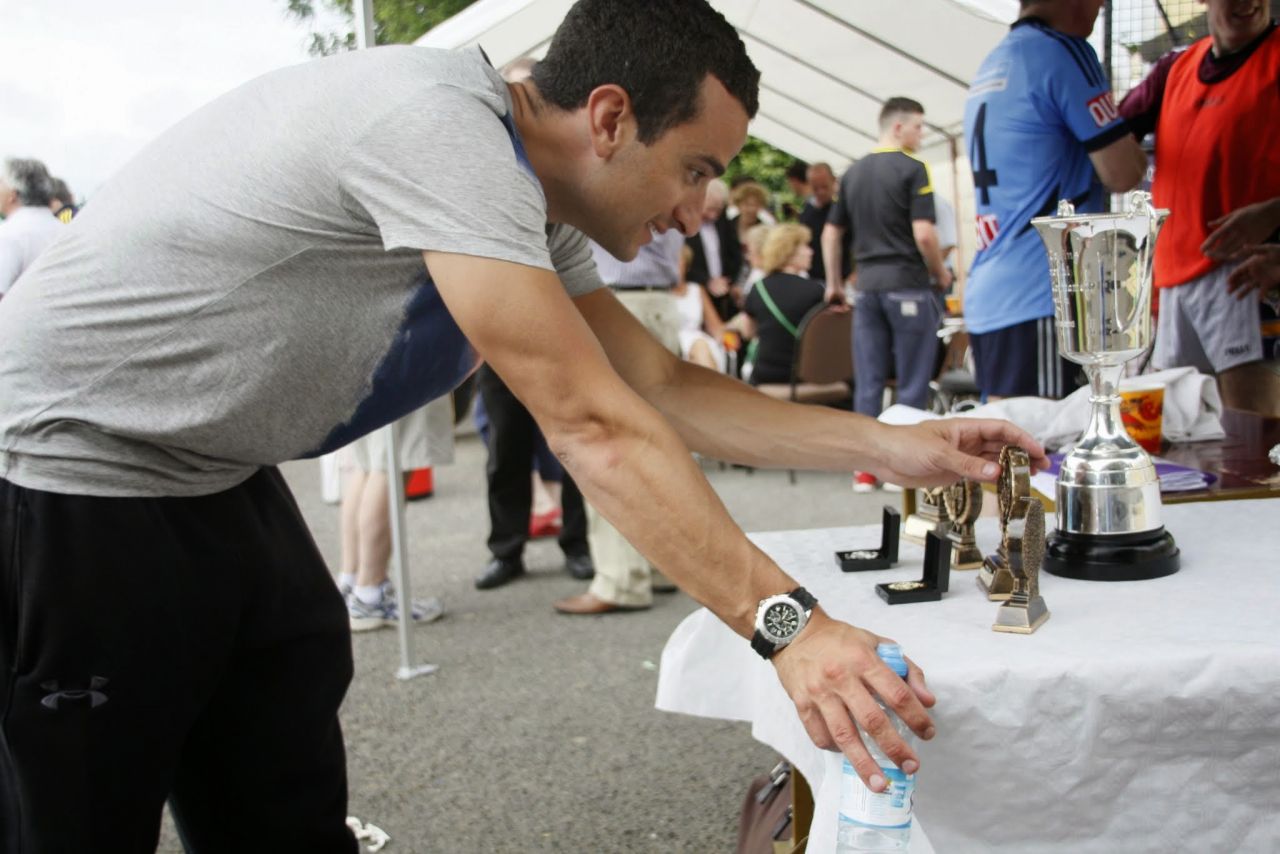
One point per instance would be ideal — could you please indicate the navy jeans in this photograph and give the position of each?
(895, 330)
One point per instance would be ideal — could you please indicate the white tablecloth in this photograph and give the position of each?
(1143, 716)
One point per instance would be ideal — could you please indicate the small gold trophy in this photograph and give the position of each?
(927, 517)
(1024, 610)
(963, 503)
(995, 577)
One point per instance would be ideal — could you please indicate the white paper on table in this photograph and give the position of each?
(1192, 410)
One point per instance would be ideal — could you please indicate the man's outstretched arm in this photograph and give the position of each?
(726, 419)
(635, 470)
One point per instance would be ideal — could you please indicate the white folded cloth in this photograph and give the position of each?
(1192, 410)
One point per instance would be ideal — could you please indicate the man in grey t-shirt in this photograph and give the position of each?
(334, 245)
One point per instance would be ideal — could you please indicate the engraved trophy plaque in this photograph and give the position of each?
(1108, 494)
(963, 503)
(1024, 611)
(1013, 490)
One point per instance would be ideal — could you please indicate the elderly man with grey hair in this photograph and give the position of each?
(717, 253)
(29, 226)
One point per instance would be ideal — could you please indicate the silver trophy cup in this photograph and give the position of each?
(1109, 526)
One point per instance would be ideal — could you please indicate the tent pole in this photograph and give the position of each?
(363, 12)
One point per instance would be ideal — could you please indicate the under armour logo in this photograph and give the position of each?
(75, 695)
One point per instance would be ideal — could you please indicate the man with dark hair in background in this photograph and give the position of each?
(29, 226)
(246, 293)
(1041, 126)
(886, 204)
(797, 177)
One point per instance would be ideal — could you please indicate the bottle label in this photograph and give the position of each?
(888, 809)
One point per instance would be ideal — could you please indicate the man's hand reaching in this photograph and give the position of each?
(832, 674)
(936, 453)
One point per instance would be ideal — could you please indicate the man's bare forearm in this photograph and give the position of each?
(831, 252)
(728, 420)
(635, 471)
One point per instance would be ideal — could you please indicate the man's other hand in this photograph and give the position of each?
(1259, 271)
(1241, 230)
(831, 672)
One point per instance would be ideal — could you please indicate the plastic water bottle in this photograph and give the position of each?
(878, 821)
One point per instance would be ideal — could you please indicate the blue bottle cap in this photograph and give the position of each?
(891, 654)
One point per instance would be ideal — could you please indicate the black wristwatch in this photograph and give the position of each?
(779, 619)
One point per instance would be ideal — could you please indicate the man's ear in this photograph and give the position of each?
(611, 121)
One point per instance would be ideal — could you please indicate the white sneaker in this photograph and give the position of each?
(386, 611)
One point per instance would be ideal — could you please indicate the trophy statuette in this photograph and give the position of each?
(1013, 490)
(927, 517)
(1024, 611)
(1108, 494)
(963, 503)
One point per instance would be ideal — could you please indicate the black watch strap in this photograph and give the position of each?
(762, 645)
(806, 599)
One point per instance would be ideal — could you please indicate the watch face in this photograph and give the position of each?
(781, 620)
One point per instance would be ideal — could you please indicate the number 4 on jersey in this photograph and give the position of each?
(984, 177)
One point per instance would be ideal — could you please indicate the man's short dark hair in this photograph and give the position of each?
(659, 51)
(898, 106)
(798, 170)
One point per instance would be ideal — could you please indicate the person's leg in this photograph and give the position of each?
(872, 347)
(1056, 376)
(263, 767)
(913, 317)
(511, 440)
(622, 575)
(373, 522)
(546, 496)
(1230, 332)
(119, 620)
(1177, 340)
(573, 533)
(1253, 387)
(353, 482)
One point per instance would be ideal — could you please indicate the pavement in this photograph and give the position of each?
(538, 731)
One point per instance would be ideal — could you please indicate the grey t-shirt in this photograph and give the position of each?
(250, 288)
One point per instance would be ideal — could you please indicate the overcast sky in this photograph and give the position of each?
(84, 84)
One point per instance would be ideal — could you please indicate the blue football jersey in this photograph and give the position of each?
(1036, 108)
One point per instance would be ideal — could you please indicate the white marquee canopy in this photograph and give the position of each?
(826, 65)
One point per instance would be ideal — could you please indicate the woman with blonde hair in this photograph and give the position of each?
(778, 303)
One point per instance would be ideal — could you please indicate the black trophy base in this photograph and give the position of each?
(1111, 557)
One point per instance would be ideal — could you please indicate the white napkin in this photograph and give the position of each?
(1192, 410)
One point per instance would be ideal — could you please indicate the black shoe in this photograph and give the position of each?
(581, 567)
(498, 572)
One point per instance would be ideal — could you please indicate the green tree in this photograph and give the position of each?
(768, 166)
(394, 21)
